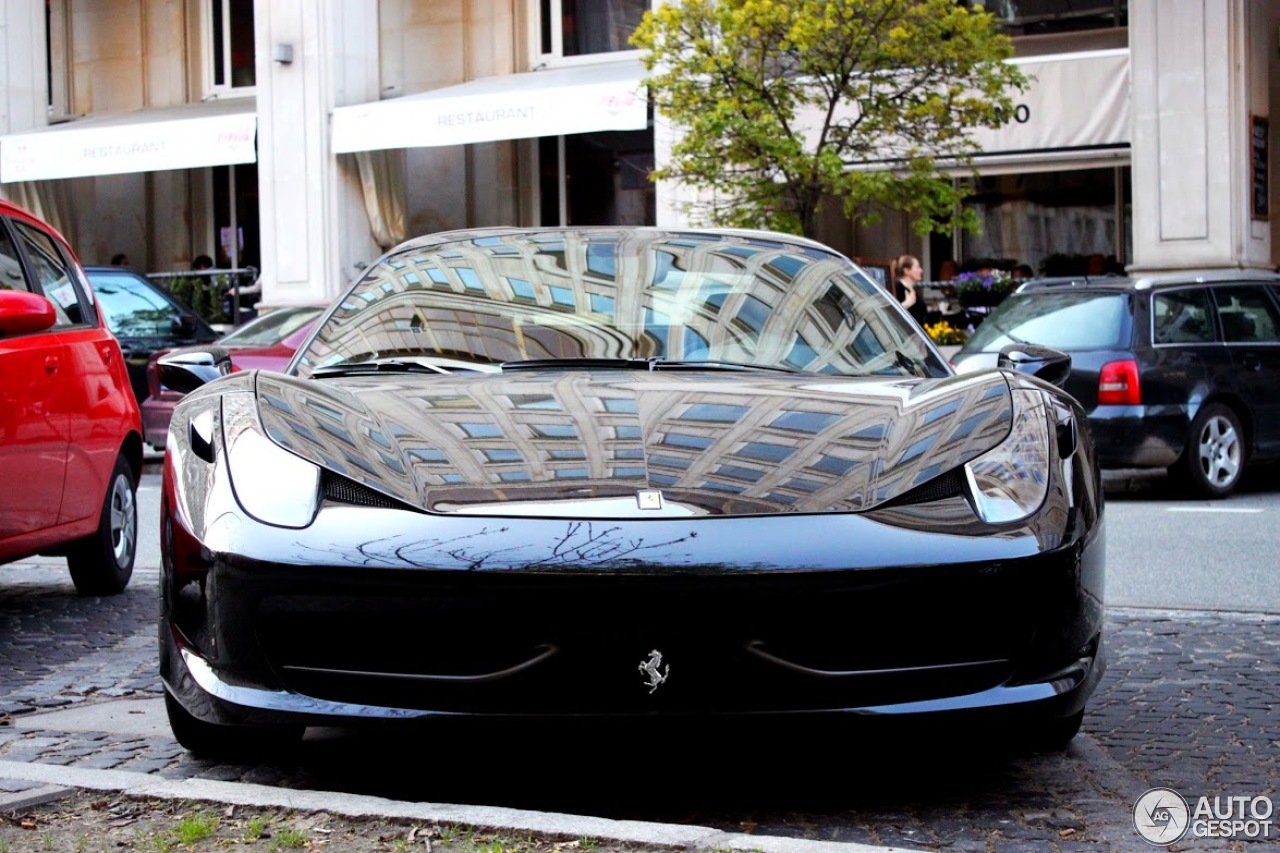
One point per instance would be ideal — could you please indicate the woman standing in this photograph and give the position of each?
(906, 287)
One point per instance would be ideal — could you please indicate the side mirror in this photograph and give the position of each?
(186, 371)
(22, 313)
(1047, 363)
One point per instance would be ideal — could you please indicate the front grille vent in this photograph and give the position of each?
(949, 485)
(342, 490)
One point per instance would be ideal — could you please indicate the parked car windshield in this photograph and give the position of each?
(133, 307)
(1074, 320)
(273, 327)
(494, 298)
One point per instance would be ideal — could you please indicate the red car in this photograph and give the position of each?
(264, 343)
(70, 431)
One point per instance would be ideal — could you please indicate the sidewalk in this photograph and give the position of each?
(24, 787)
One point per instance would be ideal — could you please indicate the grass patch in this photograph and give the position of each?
(195, 828)
(288, 838)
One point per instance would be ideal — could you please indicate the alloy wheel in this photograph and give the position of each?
(124, 521)
(1219, 451)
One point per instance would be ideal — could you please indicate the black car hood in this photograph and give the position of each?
(604, 443)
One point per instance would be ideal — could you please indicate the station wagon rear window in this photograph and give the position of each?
(1071, 321)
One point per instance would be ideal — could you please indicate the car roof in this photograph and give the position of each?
(440, 237)
(1146, 282)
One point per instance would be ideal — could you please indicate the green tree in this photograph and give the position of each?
(783, 103)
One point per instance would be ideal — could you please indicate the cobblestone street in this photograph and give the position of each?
(1189, 702)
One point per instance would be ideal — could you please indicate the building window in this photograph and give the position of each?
(56, 55)
(229, 46)
(1042, 17)
(583, 27)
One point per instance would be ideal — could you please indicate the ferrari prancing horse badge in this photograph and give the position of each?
(654, 672)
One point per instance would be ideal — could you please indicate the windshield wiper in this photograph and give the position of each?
(689, 364)
(906, 362)
(389, 365)
(652, 364)
(577, 364)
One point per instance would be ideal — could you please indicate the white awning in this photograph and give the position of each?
(574, 99)
(1073, 114)
(189, 136)
(1074, 101)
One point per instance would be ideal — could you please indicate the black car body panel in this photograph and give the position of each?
(630, 538)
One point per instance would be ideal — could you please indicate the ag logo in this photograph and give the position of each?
(1161, 816)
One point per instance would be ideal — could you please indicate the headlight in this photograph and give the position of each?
(1010, 481)
(270, 483)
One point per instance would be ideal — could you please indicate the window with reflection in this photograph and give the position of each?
(1039, 17)
(580, 27)
(640, 297)
(53, 275)
(11, 275)
(1247, 315)
(229, 42)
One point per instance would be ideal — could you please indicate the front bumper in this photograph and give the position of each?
(359, 633)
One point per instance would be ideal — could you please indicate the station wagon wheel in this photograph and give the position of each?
(1215, 454)
(102, 563)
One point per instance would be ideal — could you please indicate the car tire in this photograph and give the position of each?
(1214, 459)
(102, 563)
(213, 741)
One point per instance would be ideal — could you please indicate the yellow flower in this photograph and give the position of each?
(944, 334)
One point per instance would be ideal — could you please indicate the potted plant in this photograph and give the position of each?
(983, 289)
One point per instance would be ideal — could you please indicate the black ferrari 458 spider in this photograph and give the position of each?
(550, 473)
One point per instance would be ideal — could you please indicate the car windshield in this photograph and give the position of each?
(1075, 320)
(272, 328)
(133, 307)
(621, 299)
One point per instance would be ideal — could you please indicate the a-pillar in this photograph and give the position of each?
(1200, 94)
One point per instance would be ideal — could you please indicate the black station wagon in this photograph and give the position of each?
(1178, 371)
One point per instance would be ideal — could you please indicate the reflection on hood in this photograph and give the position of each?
(713, 443)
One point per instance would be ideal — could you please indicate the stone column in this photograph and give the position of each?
(22, 72)
(1200, 73)
(314, 228)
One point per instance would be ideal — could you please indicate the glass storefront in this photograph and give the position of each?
(605, 179)
(1046, 224)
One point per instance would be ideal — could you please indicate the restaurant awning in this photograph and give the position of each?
(188, 136)
(1074, 114)
(555, 102)
(1075, 102)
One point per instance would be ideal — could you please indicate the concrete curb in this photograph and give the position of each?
(692, 838)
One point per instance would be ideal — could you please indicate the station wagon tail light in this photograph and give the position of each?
(1118, 384)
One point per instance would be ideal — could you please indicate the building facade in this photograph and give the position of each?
(304, 137)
